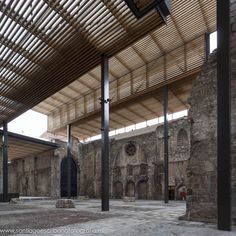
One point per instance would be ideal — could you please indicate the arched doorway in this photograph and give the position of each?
(118, 190)
(64, 178)
(130, 189)
(142, 190)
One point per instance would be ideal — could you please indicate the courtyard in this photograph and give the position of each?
(142, 217)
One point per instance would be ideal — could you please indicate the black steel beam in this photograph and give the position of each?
(207, 45)
(5, 162)
(30, 139)
(223, 116)
(105, 132)
(162, 6)
(68, 161)
(166, 154)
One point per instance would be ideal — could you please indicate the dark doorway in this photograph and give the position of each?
(64, 178)
(142, 190)
(118, 190)
(171, 192)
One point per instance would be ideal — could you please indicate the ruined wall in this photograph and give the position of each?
(39, 175)
(136, 163)
(201, 182)
(31, 176)
(202, 169)
(179, 152)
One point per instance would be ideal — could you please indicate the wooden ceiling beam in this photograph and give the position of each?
(124, 117)
(204, 16)
(177, 29)
(136, 113)
(181, 101)
(139, 54)
(148, 109)
(123, 63)
(161, 102)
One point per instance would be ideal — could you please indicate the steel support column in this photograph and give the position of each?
(69, 161)
(207, 45)
(5, 162)
(166, 155)
(223, 116)
(105, 132)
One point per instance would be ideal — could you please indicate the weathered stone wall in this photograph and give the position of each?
(136, 163)
(39, 175)
(201, 182)
(31, 176)
(202, 169)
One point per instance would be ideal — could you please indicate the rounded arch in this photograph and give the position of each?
(130, 189)
(63, 178)
(142, 189)
(118, 190)
(182, 138)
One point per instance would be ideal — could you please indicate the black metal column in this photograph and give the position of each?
(207, 45)
(166, 155)
(223, 116)
(69, 161)
(5, 162)
(105, 132)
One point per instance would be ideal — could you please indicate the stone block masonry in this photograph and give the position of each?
(202, 168)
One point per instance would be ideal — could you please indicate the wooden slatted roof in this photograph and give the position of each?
(21, 146)
(47, 44)
(169, 54)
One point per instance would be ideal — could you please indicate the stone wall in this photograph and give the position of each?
(39, 175)
(31, 176)
(136, 163)
(201, 182)
(202, 168)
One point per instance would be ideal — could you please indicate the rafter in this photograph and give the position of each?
(124, 117)
(136, 113)
(122, 63)
(204, 16)
(139, 54)
(148, 109)
(161, 102)
(181, 101)
(177, 28)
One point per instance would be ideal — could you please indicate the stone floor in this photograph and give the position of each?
(152, 218)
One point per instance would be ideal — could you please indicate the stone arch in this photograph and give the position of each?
(63, 177)
(118, 190)
(142, 189)
(182, 138)
(130, 189)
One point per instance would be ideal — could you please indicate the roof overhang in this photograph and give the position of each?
(20, 146)
(46, 45)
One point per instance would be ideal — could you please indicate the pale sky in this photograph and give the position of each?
(34, 124)
(30, 123)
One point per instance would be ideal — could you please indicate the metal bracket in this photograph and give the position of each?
(104, 101)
